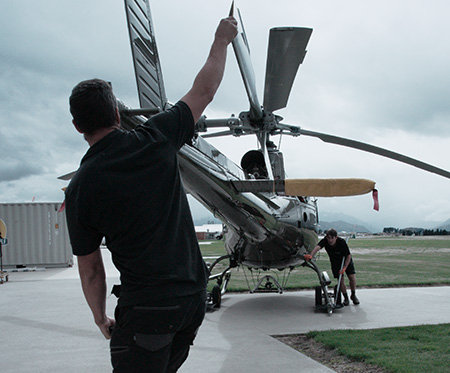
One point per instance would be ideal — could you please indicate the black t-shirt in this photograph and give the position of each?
(128, 189)
(336, 252)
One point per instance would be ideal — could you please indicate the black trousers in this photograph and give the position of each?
(156, 337)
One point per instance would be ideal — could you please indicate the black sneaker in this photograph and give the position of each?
(346, 302)
(354, 299)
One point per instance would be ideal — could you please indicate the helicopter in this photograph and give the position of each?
(270, 222)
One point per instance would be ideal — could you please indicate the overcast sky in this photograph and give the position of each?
(376, 72)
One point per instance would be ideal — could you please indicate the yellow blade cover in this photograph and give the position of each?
(2, 229)
(328, 187)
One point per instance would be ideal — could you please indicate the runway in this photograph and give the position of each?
(47, 326)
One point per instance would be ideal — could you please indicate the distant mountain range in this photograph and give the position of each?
(336, 221)
(445, 225)
(340, 222)
(342, 226)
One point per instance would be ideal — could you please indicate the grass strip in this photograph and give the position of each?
(424, 348)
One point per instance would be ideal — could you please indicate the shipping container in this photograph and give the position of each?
(37, 235)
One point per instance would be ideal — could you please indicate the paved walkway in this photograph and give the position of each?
(46, 326)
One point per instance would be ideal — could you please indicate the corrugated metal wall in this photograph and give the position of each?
(37, 235)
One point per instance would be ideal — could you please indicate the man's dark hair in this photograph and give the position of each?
(332, 232)
(93, 105)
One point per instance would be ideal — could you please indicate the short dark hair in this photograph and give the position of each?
(332, 232)
(93, 105)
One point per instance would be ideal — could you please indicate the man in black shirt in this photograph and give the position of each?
(128, 190)
(337, 249)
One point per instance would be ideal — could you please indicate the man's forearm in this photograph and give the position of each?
(348, 258)
(93, 282)
(94, 289)
(315, 250)
(210, 76)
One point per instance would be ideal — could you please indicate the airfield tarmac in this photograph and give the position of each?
(46, 325)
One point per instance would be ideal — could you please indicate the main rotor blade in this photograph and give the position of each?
(308, 187)
(68, 176)
(147, 66)
(218, 134)
(242, 52)
(286, 51)
(375, 150)
(231, 14)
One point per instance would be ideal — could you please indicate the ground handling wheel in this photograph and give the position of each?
(216, 296)
(318, 293)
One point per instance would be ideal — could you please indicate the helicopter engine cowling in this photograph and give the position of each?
(253, 164)
(255, 167)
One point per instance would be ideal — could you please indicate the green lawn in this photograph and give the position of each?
(424, 348)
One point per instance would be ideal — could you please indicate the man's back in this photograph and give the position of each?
(129, 190)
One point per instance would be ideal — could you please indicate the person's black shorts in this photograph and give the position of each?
(336, 267)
